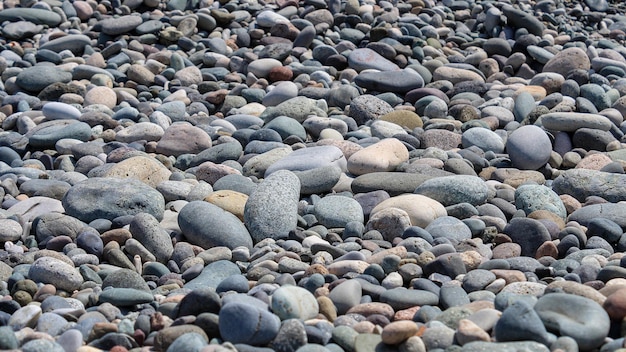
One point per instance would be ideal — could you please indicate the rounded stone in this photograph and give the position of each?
(109, 198)
(49, 270)
(271, 210)
(207, 225)
(529, 156)
(293, 302)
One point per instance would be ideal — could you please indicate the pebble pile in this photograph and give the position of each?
(312, 176)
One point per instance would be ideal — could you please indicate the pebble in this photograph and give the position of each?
(207, 225)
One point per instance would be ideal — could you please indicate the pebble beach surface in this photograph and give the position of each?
(312, 176)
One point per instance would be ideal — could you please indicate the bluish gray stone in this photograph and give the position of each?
(530, 234)
(537, 197)
(207, 225)
(399, 82)
(213, 274)
(402, 298)
(525, 155)
(588, 324)
(190, 341)
(483, 138)
(146, 229)
(309, 158)
(456, 189)
(615, 212)
(243, 323)
(34, 15)
(520, 322)
(272, 209)
(582, 183)
(298, 108)
(123, 297)
(449, 227)
(46, 134)
(36, 78)
(109, 198)
(294, 302)
(337, 211)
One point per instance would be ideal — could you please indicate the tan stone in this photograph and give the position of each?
(468, 331)
(594, 162)
(578, 289)
(231, 201)
(101, 95)
(343, 267)
(385, 155)
(571, 203)
(421, 209)
(403, 118)
(327, 308)
(510, 276)
(398, 331)
(142, 168)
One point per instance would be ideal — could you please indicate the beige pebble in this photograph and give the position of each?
(421, 209)
(398, 331)
(385, 155)
(231, 201)
(468, 332)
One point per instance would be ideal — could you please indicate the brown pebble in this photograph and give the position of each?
(406, 314)
(281, 73)
(468, 331)
(398, 331)
(367, 309)
(547, 249)
(615, 305)
(509, 276)
(327, 308)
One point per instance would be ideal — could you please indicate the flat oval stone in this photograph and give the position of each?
(54, 271)
(47, 134)
(142, 168)
(480, 346)
(365, 58)
(394, 183)
(213, 274)
(309, 158)
(244, 323)
(36, 78)
(588, 324)
(120, 25)
(75, 43)
(60, 111)
(421, 210)
(146, 229)
(207, 225)
(34, 15)
(402, 298)
(583, 183)
(293, 302)
(109, 198)
(272, 208)
(611, 211)
(571, 121)
(337, 211)
(453, 190)
(399, 82)
(385, 155)
(124, 297)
